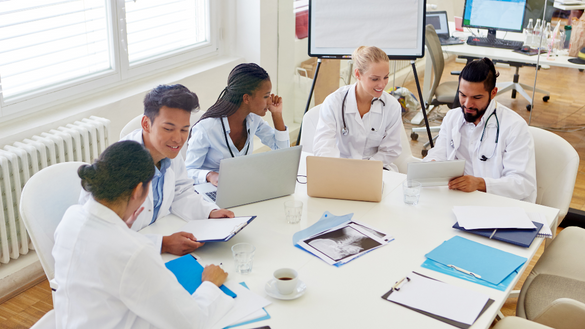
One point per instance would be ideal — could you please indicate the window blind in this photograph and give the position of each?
(156, 28)
(47, 42)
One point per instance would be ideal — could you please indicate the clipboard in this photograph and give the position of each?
(438, 317)
(519, 237)
(188, 272)
(216, 230)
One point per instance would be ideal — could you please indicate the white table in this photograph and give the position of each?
(350, 296)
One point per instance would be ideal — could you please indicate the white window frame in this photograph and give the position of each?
(121, 72)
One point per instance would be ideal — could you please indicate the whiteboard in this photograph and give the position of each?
(338, 27)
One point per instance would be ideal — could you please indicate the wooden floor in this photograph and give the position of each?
(565, 112)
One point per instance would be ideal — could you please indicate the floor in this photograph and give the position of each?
(564, 113)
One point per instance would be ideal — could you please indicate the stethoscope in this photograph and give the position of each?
(227, 144)
(483, 157)
(344, 130)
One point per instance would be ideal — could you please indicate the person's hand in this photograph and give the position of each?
(467, 183)
(221, 213)
(180, 243)
(214, 274)
(132, 218)
(275, 104)
(212, 177)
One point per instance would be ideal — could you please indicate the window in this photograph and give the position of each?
(56, 49)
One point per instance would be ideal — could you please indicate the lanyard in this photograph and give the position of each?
(227, 144)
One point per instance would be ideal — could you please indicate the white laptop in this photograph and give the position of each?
(253, 178)
(435, 173)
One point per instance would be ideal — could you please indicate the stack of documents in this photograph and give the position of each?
(338, 240)
(216, 230)
(454, 305)
(248, 305)
(475, 262)
(509, 224)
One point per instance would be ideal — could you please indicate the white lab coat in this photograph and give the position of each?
(179, 196)
(109, 276)
(206, 147)
(380, 140)
(511, 171)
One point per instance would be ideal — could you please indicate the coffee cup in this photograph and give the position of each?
(286, 280)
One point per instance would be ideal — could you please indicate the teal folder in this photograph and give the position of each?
(497, 268)
(188, 272)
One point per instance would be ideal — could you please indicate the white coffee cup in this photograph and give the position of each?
(286, 280)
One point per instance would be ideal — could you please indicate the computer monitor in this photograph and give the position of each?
(503, 15)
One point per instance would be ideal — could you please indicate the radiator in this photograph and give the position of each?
(80, 141)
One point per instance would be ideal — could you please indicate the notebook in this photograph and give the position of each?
(347, 179)
(439, 21)
(435, 173)
(253, 178)
(519, 237)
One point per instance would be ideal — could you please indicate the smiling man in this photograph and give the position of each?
(493, 140)
(165, 128)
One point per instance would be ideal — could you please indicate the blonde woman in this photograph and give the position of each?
(362, 121)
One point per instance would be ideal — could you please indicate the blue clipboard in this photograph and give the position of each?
(188, 272)
(497, 268)
(235, 231)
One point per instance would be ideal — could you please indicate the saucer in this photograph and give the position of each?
(272, 291)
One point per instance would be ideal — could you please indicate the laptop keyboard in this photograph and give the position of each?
(212, 195)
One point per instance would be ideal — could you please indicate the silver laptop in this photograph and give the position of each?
(254, 178)
(438, 19)
(435, 173)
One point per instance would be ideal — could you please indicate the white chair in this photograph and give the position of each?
(136, 124)
(46, 322)
(514, 322)
(45, 198)
(311, 119)
(557, 164)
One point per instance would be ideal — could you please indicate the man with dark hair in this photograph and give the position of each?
(165, 128)
(493, 140)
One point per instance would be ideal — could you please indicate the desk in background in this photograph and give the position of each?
(350, 296)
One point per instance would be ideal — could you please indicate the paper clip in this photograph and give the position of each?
(464, 271)
(400, 283)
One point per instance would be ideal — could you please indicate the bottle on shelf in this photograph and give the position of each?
(536, 34)
(529, 32)
(547, 37)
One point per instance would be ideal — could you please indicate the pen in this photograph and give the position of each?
(464, 271)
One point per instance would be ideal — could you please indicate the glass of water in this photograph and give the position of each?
(243, 257)
(293, 210)
(411, 190)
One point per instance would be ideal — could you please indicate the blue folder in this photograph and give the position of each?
(188, 272)
(519, 237)
(497, 268)
(265, 317)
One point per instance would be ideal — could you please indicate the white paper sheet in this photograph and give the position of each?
(474, 217)
(246, 303)
(213, 229)
(540, 218)
(441, 299)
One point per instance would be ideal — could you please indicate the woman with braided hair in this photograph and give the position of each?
(228, 127)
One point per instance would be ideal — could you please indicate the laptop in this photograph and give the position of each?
(435, 173)
(253, 178)
(348, 179)
(439, 21)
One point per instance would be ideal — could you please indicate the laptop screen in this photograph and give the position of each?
(439, 21)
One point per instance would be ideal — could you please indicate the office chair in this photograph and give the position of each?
(311, 119)
(554, 292)
(557, 164)
(44, 200)
(514, 322)
(136, 124)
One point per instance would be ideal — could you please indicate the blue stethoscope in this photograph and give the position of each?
(483, 157)
(345, 130)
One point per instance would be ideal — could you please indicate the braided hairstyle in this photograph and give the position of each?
(117, 171)
(243, 79)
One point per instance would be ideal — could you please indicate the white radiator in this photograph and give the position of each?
(81, 141)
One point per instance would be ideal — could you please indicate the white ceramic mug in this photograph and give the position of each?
(286, 280)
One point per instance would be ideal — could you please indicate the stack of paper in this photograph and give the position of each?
(338, 240)
(474, 262)
(221, 229)
(451, 304)
(473, 217)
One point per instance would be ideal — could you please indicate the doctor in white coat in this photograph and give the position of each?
(109, 276)
(165, 128)
(493, 140)
(362, 121)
